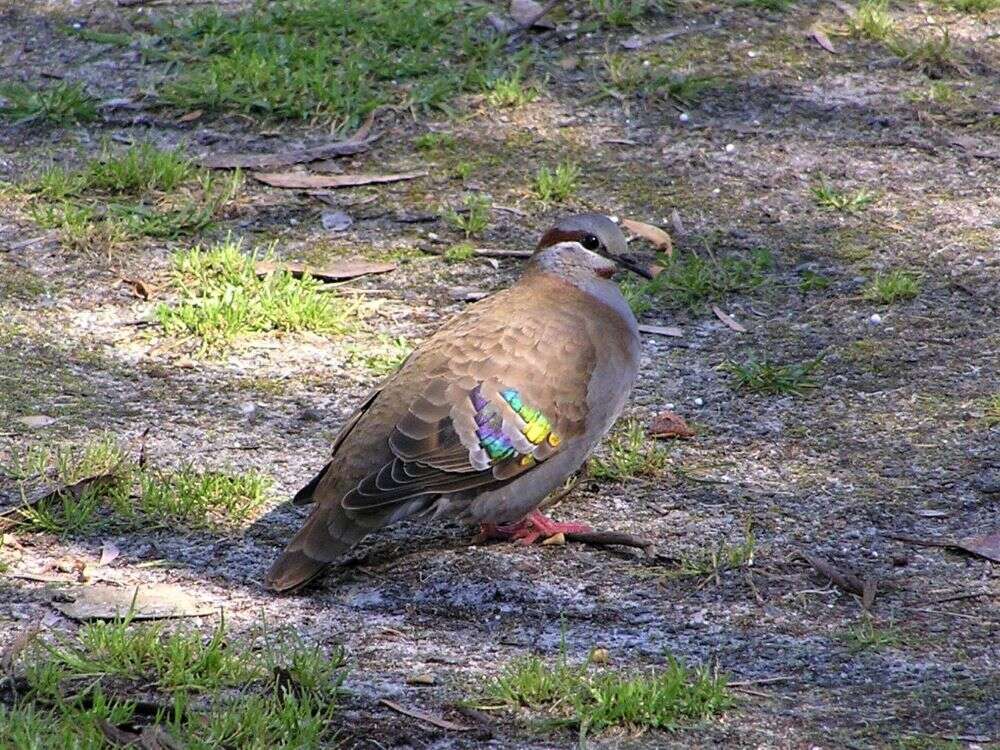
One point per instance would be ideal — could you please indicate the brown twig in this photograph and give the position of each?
(606, 538)
(844, 580)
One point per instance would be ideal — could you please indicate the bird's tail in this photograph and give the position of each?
(327, 534)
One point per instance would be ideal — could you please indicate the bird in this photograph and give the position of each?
(490, 414)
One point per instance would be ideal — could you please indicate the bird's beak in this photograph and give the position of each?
(634, 266)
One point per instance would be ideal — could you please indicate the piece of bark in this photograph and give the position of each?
(843, 579)
(609, 538)
(306, 181)
(286, 158)
(74, 491)
(340, 272)
(145, 602)
(661, 330)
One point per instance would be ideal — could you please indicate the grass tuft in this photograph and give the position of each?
(222, 298)
(828, 197)
(991, 410)
(766, 377)
(476, 217)
(779, 6)
(593, 700)
(872, 20)
(510, 91)
(557, 185)
(626, 76)
(622, 13)
(973, 6)
(61, 104)
(629, 453)
(692, 280)
(384, 357)
(332, 59)
(867, 636)
(131, 496)
(933, 55)
(211, 691)
(894, 286)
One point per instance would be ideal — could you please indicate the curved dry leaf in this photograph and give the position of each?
(728, 319)
(659, 239)
(822, 39)
(668, 424)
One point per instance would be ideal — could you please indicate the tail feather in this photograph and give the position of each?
(327, 535)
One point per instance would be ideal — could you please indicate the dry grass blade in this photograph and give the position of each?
(339, 272)
(728, 319)
(306, 181)
(416, 713)
(661, 330)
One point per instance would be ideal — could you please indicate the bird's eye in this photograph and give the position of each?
(590, 242)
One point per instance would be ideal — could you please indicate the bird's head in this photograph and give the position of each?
(597, 234)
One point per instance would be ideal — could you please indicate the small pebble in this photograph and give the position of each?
(699, 401)
(684, 117)
(875, 319)
(730, 148)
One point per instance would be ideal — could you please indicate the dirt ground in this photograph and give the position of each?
(893, 441)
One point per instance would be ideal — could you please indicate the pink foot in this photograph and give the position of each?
(529, 529)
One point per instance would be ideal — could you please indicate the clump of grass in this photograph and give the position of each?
(333, 59)
(991, 410)
(693, 280)
(460, 252)
(867, 636)
(767, 377)
(127, 495)
(142, 191)
(626, 76)
(773, 5)
(384, 357)
(464, 170)
(933, 55)
(434, 141)
(622, 13)
(723, 557)
(510, 91)
(872, 20)
(894, 286)
(973, 6)
(939, 92)
(476, 217)
(812, 281)
(222, 298)
(557, 185)
(61, 104)
(593, 700)
(283, 695)
(638, 295)
(827, 196)
(628, 453)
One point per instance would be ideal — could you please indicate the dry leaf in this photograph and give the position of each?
(822, 39)
(424, 716)
(667, 424)
(146, 602)
(109, 553)
(190, 116)
(36, 420)
(346, 270)
(529, 13)
(304, 180)
(728, 319)
(556, 540)
(420, 678)
(16, 646)
(987, 546)
(355, 145)
(660, 239)
(661, 330)
(118, 736)
(139, 288)
(155, 737)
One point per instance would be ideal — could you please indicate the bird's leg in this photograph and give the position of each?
(529, 529)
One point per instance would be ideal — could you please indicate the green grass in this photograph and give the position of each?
(210, 691)
(629, 453)
(692, 280)
(61, 104)
(592, 699)
(557, 185)
(991, 410)
(220, 298)
(721, 558)
(133, 496)
(872, 20)
(773, 5)
(622, 13)
(382, 358)
(141, 191)
(866, 636)
(973, 6)
(770, 378)
(813, 282)
(931, 54)
(894, 286)
(828, 197)
(509, 91)
(336, 60)
(626, 76)
(434, 142)
(476, 217)
(460, 252)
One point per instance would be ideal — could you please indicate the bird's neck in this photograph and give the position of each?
(595, 289)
